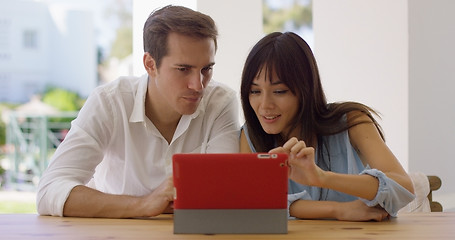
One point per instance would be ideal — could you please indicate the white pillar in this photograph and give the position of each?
(362, 51)
(238, 31)
(240, 27)
(141, 11)
(431, 92)
(396, 56)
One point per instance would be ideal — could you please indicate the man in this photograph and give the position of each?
(116, 160)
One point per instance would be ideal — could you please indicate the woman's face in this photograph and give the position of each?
(274, 104)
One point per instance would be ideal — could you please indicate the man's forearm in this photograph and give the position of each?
(87, 202)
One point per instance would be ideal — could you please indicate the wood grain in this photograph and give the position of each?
(435, 225)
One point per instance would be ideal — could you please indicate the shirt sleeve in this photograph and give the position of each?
(247, 134)
(304, 195)
(224, 135)
(76, 158)
(391, 196)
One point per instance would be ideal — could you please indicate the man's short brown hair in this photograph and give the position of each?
(176, 19)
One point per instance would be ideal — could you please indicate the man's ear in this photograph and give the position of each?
(149, 64)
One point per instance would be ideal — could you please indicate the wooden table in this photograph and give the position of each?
(406, 226)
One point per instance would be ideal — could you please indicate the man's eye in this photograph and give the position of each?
(206, 69)
(182, 69)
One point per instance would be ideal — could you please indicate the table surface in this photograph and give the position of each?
(405, 226)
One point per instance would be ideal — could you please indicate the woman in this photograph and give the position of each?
(339, 164)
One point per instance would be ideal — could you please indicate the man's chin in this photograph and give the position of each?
(188, 111)
(187, 108)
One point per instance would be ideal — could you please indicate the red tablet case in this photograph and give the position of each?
(243, 182)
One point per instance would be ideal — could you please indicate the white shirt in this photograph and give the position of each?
(115, 147)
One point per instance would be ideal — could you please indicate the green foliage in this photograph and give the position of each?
(123, 44)
(2, 133)
(4, 106)
(17, 207)
(62, 99)
(297, 14)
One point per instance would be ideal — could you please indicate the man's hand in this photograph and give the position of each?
(87, 202)
(161, 200)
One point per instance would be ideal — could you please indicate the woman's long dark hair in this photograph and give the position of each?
(294, 64)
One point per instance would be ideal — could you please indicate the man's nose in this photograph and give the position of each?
(195, 82)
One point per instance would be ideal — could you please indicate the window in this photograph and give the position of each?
(289, 15)
(5, 31)
(30, 39)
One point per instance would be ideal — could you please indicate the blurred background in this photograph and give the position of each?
(394, 55)
(53, 53)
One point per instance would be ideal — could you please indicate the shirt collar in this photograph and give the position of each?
(138, 114)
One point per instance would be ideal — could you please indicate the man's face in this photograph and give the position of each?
(178, 84)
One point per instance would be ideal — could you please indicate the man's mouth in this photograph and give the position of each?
(192, 98)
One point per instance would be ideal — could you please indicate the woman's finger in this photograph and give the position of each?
(298, 147)
(305, 152)
(278, 150)
(290, 143)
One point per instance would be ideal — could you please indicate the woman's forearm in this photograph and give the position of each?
(346, 211)
(363, 186)
(308, 209)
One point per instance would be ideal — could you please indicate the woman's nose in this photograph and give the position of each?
(267, 101)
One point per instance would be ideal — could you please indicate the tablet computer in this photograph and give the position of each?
(230, 193)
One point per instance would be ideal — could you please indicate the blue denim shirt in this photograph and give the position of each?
(344, 159)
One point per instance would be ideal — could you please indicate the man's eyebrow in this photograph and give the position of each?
(183, 65)
(191, 66)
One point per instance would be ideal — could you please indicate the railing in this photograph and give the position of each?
(32, 140)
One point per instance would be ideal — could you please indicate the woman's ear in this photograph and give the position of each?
(149, 64)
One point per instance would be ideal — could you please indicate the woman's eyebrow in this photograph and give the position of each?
(273, 83)
(277, 83)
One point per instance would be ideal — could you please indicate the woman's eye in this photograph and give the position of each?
(255, 92)
(280, 91)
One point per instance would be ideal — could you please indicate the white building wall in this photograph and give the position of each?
(23, 69)
(74, 55)
(63, 51)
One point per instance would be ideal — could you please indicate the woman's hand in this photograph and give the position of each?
(301, 163)
(359, 211)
